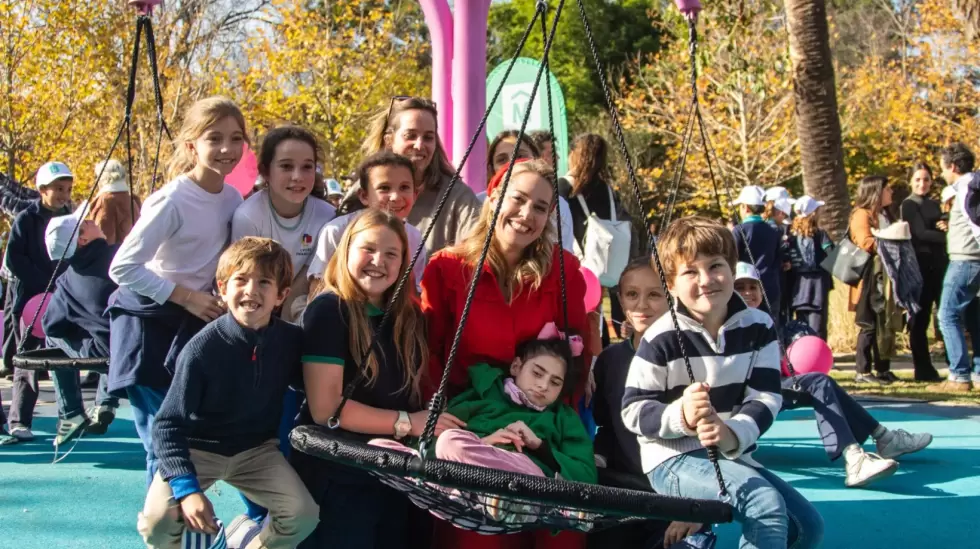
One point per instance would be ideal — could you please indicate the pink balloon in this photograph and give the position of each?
(809, 354)
(40, 301)
(245, 173)
(593, 291)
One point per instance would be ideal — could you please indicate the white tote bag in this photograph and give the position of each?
(607, 244)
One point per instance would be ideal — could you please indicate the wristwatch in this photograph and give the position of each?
(403, 425)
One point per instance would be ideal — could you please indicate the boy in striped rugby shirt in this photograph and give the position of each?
(735, 359)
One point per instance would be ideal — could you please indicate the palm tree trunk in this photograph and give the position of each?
(817, 122)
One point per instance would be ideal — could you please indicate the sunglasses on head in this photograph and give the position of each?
(400, 98)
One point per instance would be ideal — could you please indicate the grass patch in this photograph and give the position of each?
(907, 388)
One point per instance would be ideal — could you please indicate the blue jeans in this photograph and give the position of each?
(840, 419)
(960, 287)
(773, 515)
(146, 402)
(68, 384)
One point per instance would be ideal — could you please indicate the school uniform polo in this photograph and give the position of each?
(327, 341)
(494, 327)
(356, 510)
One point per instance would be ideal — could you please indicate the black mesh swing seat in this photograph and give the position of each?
(56, 359)
(490, 501)
(465, 495)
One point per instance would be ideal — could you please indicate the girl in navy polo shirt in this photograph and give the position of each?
(357, 511)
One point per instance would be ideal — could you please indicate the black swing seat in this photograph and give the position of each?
(466, 495)
(56, 359)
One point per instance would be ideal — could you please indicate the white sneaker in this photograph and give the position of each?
(21, 433)
(238, 529)
(868, 468)
(899, 442)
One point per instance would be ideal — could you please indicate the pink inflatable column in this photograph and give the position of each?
(439, 20)
(469, 87)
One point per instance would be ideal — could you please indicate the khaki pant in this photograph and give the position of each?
(262, 474)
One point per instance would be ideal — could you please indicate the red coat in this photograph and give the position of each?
(494, 328)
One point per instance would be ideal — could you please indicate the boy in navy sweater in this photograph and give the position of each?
(765, 243)
(732, 400)
(30, 270)
(75, 320)
(220, 418)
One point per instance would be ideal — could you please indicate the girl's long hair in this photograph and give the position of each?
(587, 163)
(869, 193)
(408, 326)
(805, 225)
(535, 264)
(387, 122)
(198, 118)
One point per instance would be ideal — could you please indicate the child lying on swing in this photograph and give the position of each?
(520, 423)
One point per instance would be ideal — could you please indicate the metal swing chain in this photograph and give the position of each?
(430, 423)
(141, 22)
(712, 158)
(712, 451)
(151, 51)
(334, 420)
(554, 181)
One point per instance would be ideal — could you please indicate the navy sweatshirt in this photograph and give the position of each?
(226, 396)
(14, 197)
(27, 257)
(76, 312)
(765, 243)
(155, 335)
(613, 440)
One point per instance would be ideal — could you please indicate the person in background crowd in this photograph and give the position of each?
(335, 193)
(924, 217)
(114, 209)
(874, 196)
(962, 280)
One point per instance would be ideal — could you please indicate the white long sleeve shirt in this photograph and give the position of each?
(177, 240)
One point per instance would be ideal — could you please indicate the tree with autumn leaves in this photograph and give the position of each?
(911, 93)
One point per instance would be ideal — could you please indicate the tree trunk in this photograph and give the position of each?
(817, 122)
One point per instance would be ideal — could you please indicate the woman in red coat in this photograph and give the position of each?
(518, 292)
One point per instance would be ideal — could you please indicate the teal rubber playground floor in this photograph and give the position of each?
(90, 500)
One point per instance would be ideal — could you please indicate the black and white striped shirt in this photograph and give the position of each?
(741, 367)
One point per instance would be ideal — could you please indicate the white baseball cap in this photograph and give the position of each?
(775, 193)
(61, 236)
(949, 191)
(334, 188)
(784, 205)
(751, 195)
(745, 271)
(51, 172)
(806, 205)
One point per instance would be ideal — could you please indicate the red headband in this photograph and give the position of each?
(498, 178)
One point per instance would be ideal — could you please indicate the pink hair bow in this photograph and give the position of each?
(550, 331)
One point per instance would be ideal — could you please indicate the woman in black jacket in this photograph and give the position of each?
(924, 217)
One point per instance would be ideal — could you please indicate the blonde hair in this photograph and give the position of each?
(687, 237)
(198, 118)
(386, 122)
(409, 324)
(804, 225)
(253, 253)
(535, 264)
